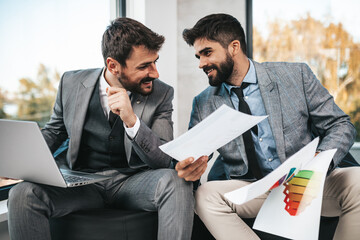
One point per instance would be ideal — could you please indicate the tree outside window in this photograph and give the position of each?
(323, 34)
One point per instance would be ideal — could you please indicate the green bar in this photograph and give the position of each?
(305, 174)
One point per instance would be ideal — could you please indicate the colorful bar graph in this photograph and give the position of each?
(300, 191)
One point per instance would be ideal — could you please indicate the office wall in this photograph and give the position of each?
(192, 80)
(177, 65)
(161, 17)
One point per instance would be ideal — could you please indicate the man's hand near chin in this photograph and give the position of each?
(192, 170)
(120, 104)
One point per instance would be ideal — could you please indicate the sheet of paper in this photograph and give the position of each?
(284, 171)
(293, 210)
(213, 132)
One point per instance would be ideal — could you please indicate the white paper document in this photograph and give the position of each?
(219, 128)
(292, 208)
(295, 162)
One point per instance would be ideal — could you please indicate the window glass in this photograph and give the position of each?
(40, 39)
(324, 34)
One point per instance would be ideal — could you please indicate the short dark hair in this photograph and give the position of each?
(222, 28)
(125, 33)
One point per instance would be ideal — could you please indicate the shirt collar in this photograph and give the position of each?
(250, 77)
(104, 84)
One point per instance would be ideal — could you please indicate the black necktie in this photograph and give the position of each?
(248, 141)
(112, 118)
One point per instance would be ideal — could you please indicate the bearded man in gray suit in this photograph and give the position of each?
(298, 107)
(115, 119)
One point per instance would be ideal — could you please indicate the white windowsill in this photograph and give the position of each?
(3, 211)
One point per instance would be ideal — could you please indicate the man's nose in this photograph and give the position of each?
(153, 72)
(202, 62)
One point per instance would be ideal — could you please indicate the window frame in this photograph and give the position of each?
(249, 28)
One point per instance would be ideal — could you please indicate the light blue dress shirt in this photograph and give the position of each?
(264, 142)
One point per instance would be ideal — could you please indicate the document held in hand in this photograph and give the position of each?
(292, 208)
(219, 128)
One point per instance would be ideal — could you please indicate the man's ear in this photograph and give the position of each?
(113, 66)
(234, 48)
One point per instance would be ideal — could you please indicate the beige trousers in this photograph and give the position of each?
(223, 218)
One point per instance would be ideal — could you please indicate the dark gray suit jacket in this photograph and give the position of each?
(296, 102)
(154, 112)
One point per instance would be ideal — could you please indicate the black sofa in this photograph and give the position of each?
(111, 224)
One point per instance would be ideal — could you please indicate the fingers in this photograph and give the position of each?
(113, 90)
(120, 104)
(197, 173)
(117, 95)
(190, 170)
(118, 99)
(115, 106)
(183, 164)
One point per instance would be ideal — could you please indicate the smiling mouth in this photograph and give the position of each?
(208, 71)
(147, 81)
(147, 84)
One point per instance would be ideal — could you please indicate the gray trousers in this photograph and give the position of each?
(31, 205)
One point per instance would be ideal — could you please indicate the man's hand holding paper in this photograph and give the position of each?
(192, 170)
(219, 128)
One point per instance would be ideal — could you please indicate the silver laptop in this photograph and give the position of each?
(25, 155)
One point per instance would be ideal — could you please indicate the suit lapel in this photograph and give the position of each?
(222, 97)
(138, 102)
(271, 98)
(84, 92)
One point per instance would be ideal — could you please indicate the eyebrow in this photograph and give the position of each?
(147, 63)
(201, 51)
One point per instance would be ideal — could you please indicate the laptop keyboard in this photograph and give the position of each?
(74, 179)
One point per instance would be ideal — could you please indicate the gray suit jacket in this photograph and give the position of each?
(296, 102)
(154, 112)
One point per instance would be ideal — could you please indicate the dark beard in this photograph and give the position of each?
(223, 72)
(148, 79)
(136, 88)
